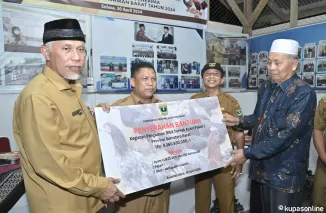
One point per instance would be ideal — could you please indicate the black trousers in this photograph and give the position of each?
(267, 200)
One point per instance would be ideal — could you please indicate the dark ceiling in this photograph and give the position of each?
(275, 12)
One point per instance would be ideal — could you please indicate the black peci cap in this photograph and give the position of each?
(62, 29)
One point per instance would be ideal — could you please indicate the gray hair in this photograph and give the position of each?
(49, 45)
(293, 57)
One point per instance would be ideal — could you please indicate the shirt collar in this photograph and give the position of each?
(137, 100)
(60, 83)
(206, 94)
(288, 82)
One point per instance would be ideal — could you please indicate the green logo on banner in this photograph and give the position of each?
(164, 109)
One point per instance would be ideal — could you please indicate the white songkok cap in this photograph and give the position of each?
(287, 46)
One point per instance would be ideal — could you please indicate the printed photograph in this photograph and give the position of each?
(322, 49)
(23, 27)
(190, 82)
(300, 53)
(252, 81)
(155, 33)
(16, 36)
(113, 64)
(262, 69)
(253, 70)
(166, 52)
(114, 81)
(321, 66)
(309, 66)
(263, 57)
(223, 84)
(142, 50)
(167, 66)
(169, 82)
(309, 78)
(226, 51)
(196, 7)
(262, 79)
(254, 58)
(298, 70)
(134, 61)
(19, 71)
(234, 72)
(234, 83)
(191, 68)
(309, 51)
(321, 80)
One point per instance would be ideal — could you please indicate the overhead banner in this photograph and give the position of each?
(179, 10)
(177, 54)
(151, 144)
(231, 53)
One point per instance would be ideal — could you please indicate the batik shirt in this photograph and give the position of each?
(282, 124)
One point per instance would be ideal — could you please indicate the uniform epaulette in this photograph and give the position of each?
(120, 101)
(230, 96)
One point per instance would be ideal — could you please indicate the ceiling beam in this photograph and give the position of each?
(260, 7)
(247, 22)
(307, 10)
(275, 7)
(224, 3)
(313, 9)
(237, 11)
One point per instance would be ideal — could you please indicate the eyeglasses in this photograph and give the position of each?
(214, 74)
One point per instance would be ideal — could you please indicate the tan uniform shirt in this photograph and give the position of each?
(320, 121)
(132, 99)
(59, 145)
(228, 105)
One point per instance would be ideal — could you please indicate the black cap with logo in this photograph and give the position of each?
(212, 65)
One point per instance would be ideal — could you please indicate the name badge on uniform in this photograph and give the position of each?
(77, 112)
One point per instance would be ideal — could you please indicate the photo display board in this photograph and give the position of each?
(311, 55)
(176, 52)
(175, 46)
(21, 39)
(231, 53)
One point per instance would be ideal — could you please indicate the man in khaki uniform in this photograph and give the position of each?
(153, 200)
(219, 51)
(56, 134)
(223, 178)
(319, 189)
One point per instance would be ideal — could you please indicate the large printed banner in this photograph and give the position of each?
(177, 54)
(152, 144)
(180, 10)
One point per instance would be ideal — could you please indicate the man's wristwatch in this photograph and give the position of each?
(240, 123)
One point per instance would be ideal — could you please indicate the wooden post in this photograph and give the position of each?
(294, 14)
(247, 9)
